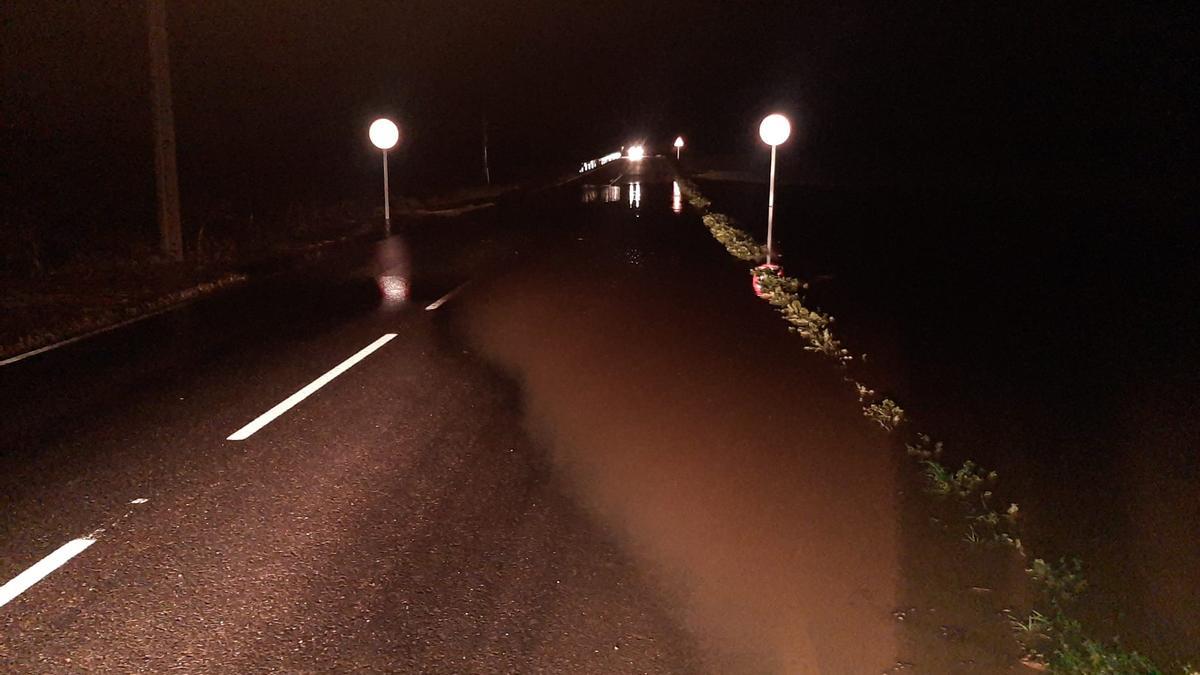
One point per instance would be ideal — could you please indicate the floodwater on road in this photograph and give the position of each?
(1048, 337)
(737, 466)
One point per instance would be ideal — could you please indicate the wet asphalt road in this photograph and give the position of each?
(399, 519)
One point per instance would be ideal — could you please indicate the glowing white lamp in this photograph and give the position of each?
(678, 145)
(636, 153)
(384, 134)
(774, 130)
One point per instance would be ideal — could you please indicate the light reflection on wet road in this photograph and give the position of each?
(393, 269)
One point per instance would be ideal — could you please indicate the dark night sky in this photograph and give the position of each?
(277, 93)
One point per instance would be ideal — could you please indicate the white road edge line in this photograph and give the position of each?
(99, 331)
(446, 298)
(286, 404)
(45, 566)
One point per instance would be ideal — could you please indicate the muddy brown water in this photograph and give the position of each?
(787, 529)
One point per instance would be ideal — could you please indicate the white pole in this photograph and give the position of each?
(677, 153)
(771, 207)
(387, 206)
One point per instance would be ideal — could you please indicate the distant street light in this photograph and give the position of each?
(384, 134)
(678, 145)
(774, 130)
(636, 152)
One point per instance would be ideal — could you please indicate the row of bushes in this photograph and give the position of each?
(1049, 637)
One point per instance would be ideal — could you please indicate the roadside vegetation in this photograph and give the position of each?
(1050, 638)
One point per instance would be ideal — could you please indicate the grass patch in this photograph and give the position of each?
(1059, 643)
(738, 242)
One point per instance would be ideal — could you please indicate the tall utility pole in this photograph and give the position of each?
(165, 172)
(487, 172)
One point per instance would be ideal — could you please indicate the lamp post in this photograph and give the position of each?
(384, 134)
(165, 170)
(678, 146)
(774, 130)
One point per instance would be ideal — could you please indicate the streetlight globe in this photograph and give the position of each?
(636, 153)
(384, 133)
(679, 141)
(774, 129)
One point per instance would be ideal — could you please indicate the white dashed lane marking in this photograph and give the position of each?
(45, 566)
(286, 404)
(445, 298)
